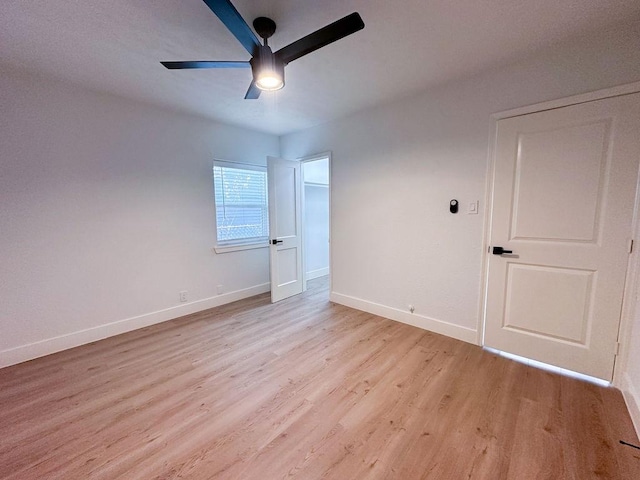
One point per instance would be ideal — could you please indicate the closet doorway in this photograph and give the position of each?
(316, 217)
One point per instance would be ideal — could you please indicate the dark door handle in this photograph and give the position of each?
(500, 251)
(275, 242)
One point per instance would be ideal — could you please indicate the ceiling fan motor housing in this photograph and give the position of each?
(264, 61)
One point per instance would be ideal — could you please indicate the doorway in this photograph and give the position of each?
(316, 218)
(299, 224)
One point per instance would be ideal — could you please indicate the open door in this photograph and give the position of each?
(285, 227)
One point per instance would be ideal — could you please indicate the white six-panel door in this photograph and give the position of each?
(563, 200)
(285, 227)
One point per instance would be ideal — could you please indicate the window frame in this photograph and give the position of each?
(237, 244)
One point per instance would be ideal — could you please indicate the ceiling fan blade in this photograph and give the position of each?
(226, 12)
(320, 38)
(253, 92)
(204, 64)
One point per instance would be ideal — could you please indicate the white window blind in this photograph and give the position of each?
(242, 213)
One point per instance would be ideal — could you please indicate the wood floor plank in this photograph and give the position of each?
(538, 444)
(302, 389)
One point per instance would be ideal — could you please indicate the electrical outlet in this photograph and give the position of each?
(183, 296)
(220, 289)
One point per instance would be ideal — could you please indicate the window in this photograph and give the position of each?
(242, 214)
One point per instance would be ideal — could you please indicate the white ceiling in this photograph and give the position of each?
(406, 46)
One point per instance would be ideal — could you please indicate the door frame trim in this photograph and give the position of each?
(617, 91)
(633, 266)
(306, 159)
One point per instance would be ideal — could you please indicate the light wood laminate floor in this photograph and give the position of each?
(302, 389)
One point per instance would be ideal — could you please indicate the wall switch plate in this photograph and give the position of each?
(183, 296)
(473, 208)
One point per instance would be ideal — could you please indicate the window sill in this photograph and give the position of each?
(237, 248)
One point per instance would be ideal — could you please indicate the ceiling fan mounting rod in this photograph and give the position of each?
(265, 28)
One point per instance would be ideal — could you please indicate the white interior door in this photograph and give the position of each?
(563, 199)
(285, 227)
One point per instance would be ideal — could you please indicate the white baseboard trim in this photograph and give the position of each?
(632, 399)
(426, 323)
(63, 342)
(321, 272)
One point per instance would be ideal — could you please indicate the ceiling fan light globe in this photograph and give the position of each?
(269, 81)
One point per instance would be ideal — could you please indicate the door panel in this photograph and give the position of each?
(285, 228)
(285, 198)
(287, 265)
(550, 161)
(564, 190)
(554, 317)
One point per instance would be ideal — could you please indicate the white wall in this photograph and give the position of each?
(395, 168)
(316, 219)
(316, 230)
(107, 213)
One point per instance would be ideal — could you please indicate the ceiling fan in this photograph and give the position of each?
(267, 66)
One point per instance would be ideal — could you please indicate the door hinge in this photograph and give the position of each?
(617, 349)
(631, 245)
